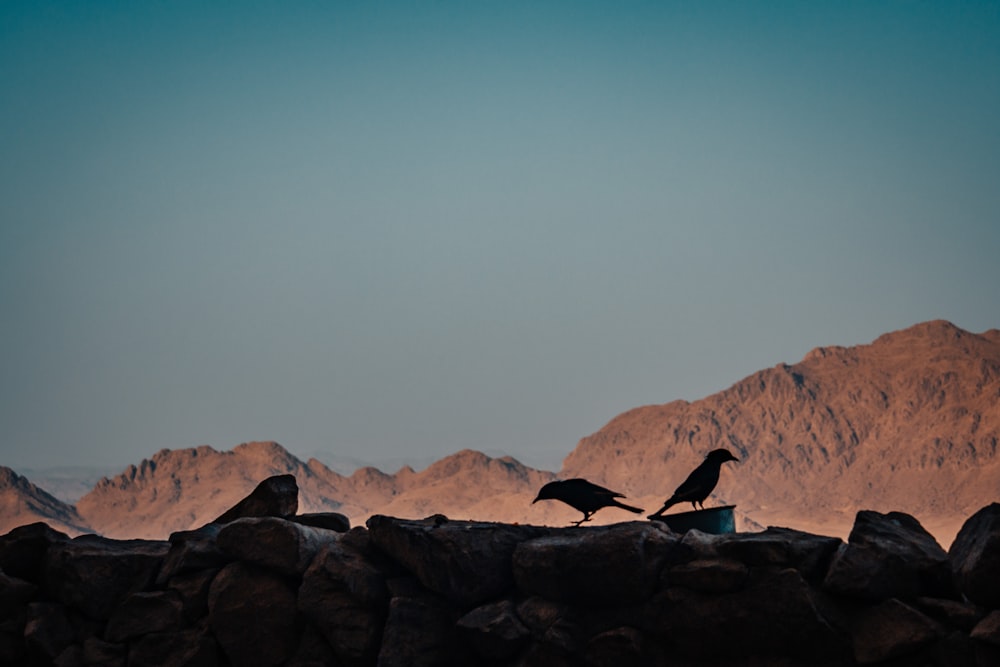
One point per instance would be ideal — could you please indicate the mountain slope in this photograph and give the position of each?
(909, 422)
(186, 488)
(21, 502)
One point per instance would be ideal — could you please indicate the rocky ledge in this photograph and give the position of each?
(254, 589)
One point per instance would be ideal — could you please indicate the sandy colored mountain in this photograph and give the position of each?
(186, 488)
(910, 422)
(21, 502)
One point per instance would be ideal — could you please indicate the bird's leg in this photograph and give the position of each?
(586, 517)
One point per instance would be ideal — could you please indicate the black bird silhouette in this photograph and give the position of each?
(699, 483)
(585, 496)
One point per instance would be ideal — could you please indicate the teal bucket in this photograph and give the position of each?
(714, 520)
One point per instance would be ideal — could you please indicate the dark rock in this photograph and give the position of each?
(192, 589)
(975, 557)
(98, 652)
(313, 650)
(494, 631)
(552, 624)
(14, 594)
(950, 613)
(420, 632)
(12, 646)
(620, 647)
(892, 629)
(72, 656)
(48, 630)
(327, 520)
(775, 614)
(612, 565)
(193, 551)
(95, 574)
(538, 614)
(182, 648)
(988, 629)
(252, 612)
(889, 555)
(22, 550)
(467, 562)
(274, 543)
(143, 613)
(711, 576)
(346, 597)
(781, 547)
(275, 496)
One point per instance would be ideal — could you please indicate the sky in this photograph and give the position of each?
(386, 232)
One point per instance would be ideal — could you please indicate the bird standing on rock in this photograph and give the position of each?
(582, 495)
(699, 483)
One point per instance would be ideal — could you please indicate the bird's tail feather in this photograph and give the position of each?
(634, 510)
(667, 505)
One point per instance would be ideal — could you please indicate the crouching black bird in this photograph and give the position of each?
(582, 495)
(699, 483)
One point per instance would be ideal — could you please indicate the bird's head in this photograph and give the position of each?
(546, 492)
(721, 456)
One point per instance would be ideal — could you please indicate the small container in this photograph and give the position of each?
(714, 520)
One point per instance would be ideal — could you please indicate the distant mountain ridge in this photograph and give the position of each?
(22, 502)
(909, 422)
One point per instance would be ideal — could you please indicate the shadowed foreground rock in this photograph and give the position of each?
(273, 591)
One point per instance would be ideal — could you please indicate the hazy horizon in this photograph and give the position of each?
(393, 231)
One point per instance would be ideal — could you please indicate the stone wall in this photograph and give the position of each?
(271, 591)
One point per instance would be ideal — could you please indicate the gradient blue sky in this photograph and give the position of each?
(396, 230)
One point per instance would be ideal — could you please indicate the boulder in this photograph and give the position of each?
(179, 648)
(143, 613)
(193, 551)
(273, 543)
(494, 631)
(275, 496)
(327, 520)
(467, 562)
(781, 547)
(608, 565)
(22, 550)
(619, 647)
(313, 650)
(95, 574)
(345, 596)
(554, 626)
(889, 555)
(420, 632)
(192, 589)
(14, 594)
(251, 612)
(775, 614)
(719, 575)
(975, 557)
(48, 630)
(949, 613)
(892, 629)
(988, 629)
(99, 652)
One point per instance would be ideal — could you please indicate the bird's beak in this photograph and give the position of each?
(535, 501)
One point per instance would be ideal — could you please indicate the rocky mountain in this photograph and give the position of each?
(907, 423)
(185, 488)
(21, 502)
(910, 422)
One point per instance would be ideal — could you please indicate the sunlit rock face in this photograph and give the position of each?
(268, 590)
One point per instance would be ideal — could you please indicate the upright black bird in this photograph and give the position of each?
(699, 483)
(582, 495)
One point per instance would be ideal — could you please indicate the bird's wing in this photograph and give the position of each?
(595, 488)
(694, 483)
